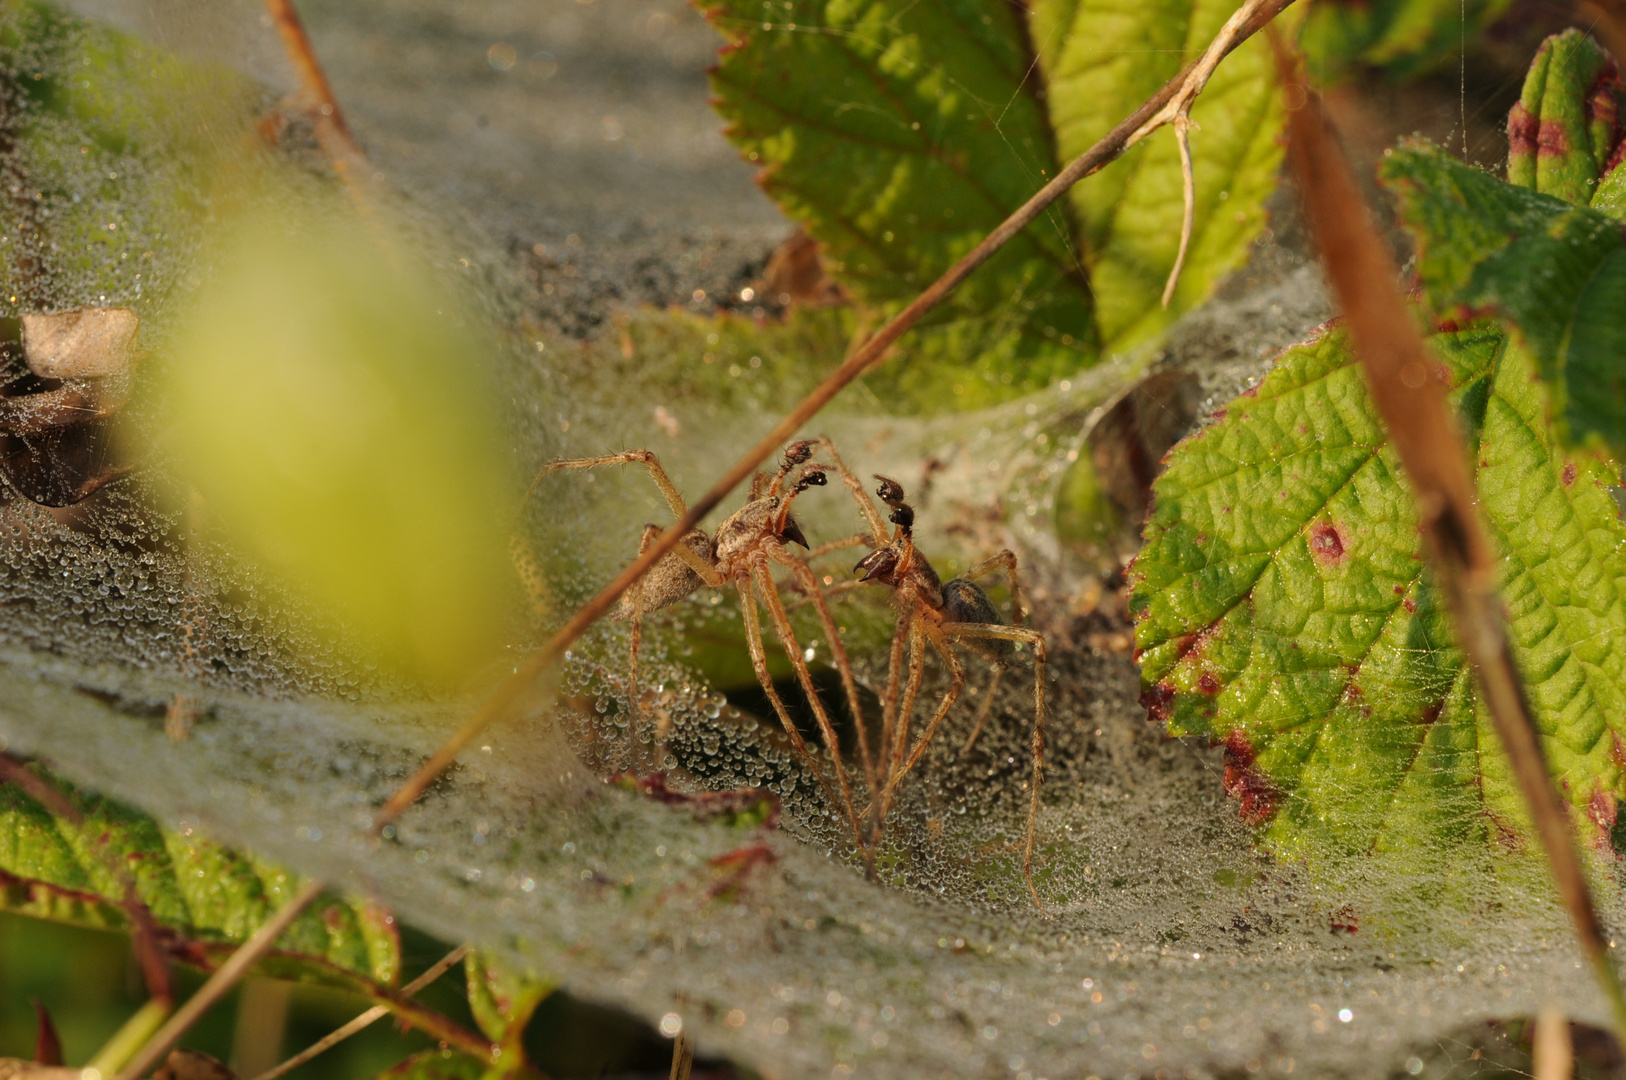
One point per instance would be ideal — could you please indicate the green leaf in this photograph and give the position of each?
(502, 1001)
(1557, 272)
(901, 134)
(209, 897)
(1562, 131)
(436, 1065)
(1283, 608)
(1405, 37)
(1100, 62)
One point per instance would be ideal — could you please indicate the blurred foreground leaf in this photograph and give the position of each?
(206, 898)
(333, 413)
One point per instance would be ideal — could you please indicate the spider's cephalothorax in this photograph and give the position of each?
(942, 613)
(763, 523)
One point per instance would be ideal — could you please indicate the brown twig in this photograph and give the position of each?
(333, 134)
(226, 977)
(367, 1018)
(149, 952)
(870, 354)
(1411, 396)
(682, 1057)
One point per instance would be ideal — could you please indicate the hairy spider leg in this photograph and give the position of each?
(911, 688)
(759, 663)
(889, 696)
(860, 494)
(787, 639)
(815, 594)
(923, 628)
(813, 475)
(1006, 559)
(646, 458)
(855, 540)
(1036, 640)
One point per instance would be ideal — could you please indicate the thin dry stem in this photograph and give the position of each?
(221, 982)
(1411, 396)
(682, 1057)
(1552, 1054)
(371, 1016)
(1178, 113)
(1188, 193)
(333, 133)
(872, 352)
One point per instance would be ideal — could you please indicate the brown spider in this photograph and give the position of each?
(745, 546)
(930, 610)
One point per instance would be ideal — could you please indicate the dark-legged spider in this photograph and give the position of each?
(745, 546)
(942, 613)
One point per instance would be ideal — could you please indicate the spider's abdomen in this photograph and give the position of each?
(670, 579)
(965, 602)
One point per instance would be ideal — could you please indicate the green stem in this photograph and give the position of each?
(129, 1038)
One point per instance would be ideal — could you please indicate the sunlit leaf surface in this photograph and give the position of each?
(207, 898)
(1284, 610)
(1100, 61)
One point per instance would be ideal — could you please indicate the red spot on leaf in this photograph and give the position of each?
(1450, 326)
(1600, 809)
(1617, 751)
(1208, 683)
(1246, 782)
(1344, 921)
(1551, 141)
(1328, 544)
(1410, 605)
(1400, 590)
(1521, 131)
(1569, 474)
(1158, 701)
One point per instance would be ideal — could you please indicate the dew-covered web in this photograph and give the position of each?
(1169, 944)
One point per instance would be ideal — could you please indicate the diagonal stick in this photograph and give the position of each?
(373, 1014)
(870, 354)
(1411, 397)
(226, 977)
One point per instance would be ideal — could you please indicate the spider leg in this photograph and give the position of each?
(827, 591)
(872, 517)
(1007, 560)
(838, 651)
(759, 663)
(956, 682)
(645, 458)
(983, 709)
(900, 741)
(856, 540)
(787, 638)
(1036, 640)
(894, 675)
(635, 642)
